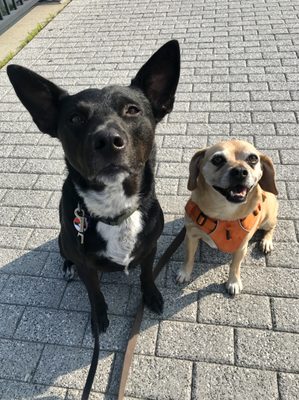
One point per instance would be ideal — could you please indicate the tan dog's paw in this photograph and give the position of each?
(234, 286)
(183, 276)
(266, 245)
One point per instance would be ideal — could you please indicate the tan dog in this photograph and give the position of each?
(233, 194)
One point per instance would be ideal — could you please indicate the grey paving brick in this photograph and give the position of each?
(31, 151)
(44, 166)
(166, 186)
(289, 209)
(179, 305)
(284, 255)
(230, 96)
(14, 237)
(17, 181)
(216, 342)
(40, 218)
(172, 170)
(116, 296)
(255, 348)
(22, 391)
(43, 239)
(215, 139)
(261, 117)
(3, 279)
(245, 310)
(159, 378)
(146, 341)
(287, 129)
(286, 314)
(15, 261)
(49, 182)
(290, 156)
(18, 359)
(212, 381)
(230, 117)
(29, 290)
(293, 190)
(272, 95)
(22, 138)
(73, 394)
(277, 142)
(271, 281)
(10, 316)
(251, 106)
(208, 129)
(26, 198)
(173, 155)
(287, 172)
(8, 214)
(120, 326)
(52, 326)
(68, 367)
(192, 117)
(11, 164)
(289, 386)
(285, 232)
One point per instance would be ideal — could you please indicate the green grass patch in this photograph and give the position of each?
(29, 37)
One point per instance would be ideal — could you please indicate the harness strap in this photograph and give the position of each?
(138, 317)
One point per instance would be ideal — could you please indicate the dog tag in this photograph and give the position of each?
(80, 223)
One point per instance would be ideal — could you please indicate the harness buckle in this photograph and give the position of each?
(201, 219)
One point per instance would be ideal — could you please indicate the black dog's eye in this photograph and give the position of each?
(131, 110)
(252, 159)
(77, 119)
(218, 160)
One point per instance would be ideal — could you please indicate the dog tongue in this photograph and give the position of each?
(239, 191)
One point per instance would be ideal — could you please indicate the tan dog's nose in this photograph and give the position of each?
(238, 173)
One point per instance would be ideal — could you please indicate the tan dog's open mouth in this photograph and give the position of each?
(234, 194)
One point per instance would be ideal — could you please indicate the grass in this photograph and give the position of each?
(28, 38)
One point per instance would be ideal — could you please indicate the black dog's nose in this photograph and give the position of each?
(109, 140)
(238, 173)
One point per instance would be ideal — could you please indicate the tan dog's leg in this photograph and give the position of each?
(269, 226)
(191, 244)
(234, 284)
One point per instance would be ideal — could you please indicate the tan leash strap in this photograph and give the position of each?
(138, 317)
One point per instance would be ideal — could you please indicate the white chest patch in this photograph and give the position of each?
(121, 239)
(109, 203)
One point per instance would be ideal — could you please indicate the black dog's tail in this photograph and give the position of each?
(95, 355)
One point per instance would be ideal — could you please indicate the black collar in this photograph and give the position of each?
(108, 221)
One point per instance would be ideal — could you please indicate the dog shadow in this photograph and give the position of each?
(50, 317)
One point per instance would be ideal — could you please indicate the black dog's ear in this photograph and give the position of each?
(158, 78)
(38, 95)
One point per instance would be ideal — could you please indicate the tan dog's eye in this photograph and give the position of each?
(252, 159)
(218, 160)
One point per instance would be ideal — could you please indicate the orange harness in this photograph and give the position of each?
(227, 235)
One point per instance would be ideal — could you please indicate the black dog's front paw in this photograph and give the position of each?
(68, 270)
(153, 299)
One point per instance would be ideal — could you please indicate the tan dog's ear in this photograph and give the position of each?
(194, 168)
(267, 181)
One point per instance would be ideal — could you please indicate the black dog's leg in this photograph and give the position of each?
(68, 270)
(91, 281)
(151, 294)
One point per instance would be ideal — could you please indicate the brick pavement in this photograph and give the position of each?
(240, 78)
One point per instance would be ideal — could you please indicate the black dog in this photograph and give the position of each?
(109, 214)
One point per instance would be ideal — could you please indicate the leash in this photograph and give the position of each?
(135, 328)
(138, 317)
